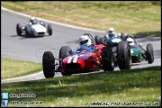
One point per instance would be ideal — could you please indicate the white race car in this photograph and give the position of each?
(38, 29)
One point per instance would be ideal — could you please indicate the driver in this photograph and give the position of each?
(130, 41)
(86, 43)
(111, 33)
(32, 21)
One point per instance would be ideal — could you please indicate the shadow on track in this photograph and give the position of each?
(24, 37)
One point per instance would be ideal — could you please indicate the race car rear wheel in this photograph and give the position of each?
(64, 52)
(150, 53)
(97, 39)
(124, 55)
(102, 40)
(18, 29)
(48, 63)
(28, 32)
(49, 28)
(108, 59)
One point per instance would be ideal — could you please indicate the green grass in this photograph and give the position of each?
(15, 68)
(133, 17)
(138, 85)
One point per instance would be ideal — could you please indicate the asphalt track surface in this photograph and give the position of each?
(32, 49)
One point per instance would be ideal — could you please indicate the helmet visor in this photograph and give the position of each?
(83, 42)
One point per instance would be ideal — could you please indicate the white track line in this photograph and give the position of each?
(76, 27)
(19, 78)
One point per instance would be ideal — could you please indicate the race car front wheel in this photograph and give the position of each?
(149, 53)
(28, 32)
(124, 55)
(48, 63)
(18, 29)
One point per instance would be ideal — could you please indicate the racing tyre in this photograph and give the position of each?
(97, 39)
(49, 28)
(123, 36)
(102, 40)
(64, 52)
(48, 62)
(124, 55)
(108, 59)
(18, 29)
(149, 53)
(28, 32)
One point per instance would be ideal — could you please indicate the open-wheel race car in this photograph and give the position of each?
(138, 53)
(32, 30)
(118, 52)
(81, 60)
(132, 53)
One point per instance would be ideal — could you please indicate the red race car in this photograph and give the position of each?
(81, 60)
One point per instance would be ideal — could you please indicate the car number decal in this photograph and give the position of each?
(75, 59)
(69, 59)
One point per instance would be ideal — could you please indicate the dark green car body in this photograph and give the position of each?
(136, 54)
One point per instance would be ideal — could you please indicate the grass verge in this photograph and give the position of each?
(134, 17)
(15, 68)
(142, 87)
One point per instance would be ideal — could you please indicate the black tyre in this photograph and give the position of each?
(123, 55)
(150, 53)
(102, 40)
(108, 59)
(48, 63)
(19, 29)
(123, 37)
(64, 52)
(49, 28)
(97, 39)
(28, 32)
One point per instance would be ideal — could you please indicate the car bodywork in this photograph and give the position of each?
(38, 30)
(119, 50)
(138, 53)
(83, 61)
(33, 30)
